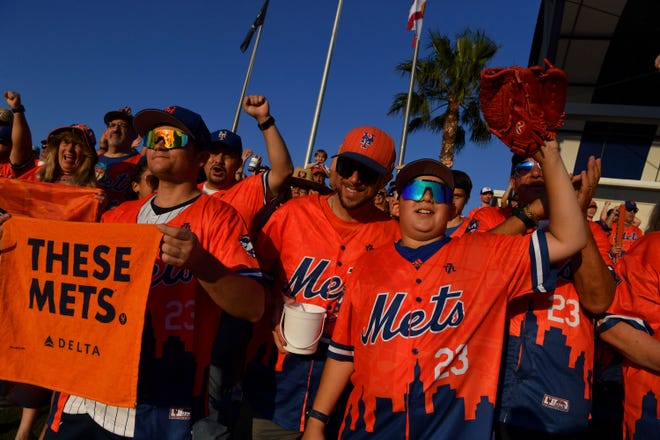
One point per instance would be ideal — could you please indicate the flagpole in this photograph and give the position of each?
(237, 115)
(319, 102)
(404, 134)
(258, 24)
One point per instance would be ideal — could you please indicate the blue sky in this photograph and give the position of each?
(72, 61)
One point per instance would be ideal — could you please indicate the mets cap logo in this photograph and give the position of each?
(170, 110)
(367, 140)
(222, 135)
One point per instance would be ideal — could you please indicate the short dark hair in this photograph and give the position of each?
(462, 181)
(515, 160)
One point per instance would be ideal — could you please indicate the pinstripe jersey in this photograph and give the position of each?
(425, 338)
(182, 319)
(309, 252)
(637, 302)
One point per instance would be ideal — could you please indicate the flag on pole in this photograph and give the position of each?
(415, 17)
(257, 22)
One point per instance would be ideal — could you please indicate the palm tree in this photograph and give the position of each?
(445, 95)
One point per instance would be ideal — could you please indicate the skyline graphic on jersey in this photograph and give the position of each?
(557, 392)
(648, 425)
(446, 420)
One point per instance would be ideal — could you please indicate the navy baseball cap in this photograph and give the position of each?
(185, 120)
(631, 206)
(125, 114)
(228, 138)
(5, 133)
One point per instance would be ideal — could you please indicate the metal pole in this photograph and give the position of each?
(319, 102)
(404, 134)
(247, 80)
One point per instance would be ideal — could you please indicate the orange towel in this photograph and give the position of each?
(72, 305)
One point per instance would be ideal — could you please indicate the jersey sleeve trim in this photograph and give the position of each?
(340, 352)
(610, 321)
(543, 279)
(252, 273)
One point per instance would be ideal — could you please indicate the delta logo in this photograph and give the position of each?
(80, 347)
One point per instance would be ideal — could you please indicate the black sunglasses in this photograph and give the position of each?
(346, 168)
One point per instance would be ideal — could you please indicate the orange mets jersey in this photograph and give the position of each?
(114, 175)
(247, 196)
(309, 252)
(631, 233)
(637, 302)
(425, 337)
(182, 319)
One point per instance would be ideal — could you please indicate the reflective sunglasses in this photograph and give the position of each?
(525, 167)
(415, 190)
(346, 168)
(172, 138)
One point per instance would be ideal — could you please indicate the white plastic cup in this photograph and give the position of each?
(302, 327)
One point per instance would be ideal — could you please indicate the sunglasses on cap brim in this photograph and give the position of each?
(347, 167)
(171, 138)
(415, 190)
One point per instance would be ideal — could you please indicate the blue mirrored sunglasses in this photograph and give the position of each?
(525, 167)
(171, 138)
(415, 189)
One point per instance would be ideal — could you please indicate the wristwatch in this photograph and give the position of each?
(19, 109)
(267, 123)
(522, 213)
(318, 415)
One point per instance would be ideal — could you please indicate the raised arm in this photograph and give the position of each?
(593, 280)
(21, 138)
(281, 165)
(566, 232)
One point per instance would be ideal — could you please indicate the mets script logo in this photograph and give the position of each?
(310, 280)
(520, 126)
(366, 140)
(389, 318)
(169, 275)
(73, 345)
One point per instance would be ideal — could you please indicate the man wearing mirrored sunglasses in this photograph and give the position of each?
(309, 246)
(206, 268)
(16, 155)
(548, 367)
(421, 340)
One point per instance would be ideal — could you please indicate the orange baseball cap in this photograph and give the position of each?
(371, 147)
